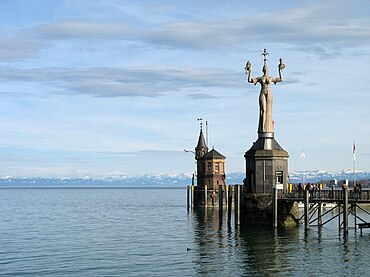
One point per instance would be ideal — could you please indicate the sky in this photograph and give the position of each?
(102, 88)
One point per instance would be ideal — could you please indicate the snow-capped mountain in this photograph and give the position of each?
(154, 180)
(167, 180)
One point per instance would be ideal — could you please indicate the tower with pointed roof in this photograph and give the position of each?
(210, 166)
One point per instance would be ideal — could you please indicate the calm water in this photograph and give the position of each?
(146, 232)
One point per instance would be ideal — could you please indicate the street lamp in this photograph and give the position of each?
(195, 172)
(303, 155)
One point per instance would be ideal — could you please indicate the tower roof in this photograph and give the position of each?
(201, 141)
(213, 154)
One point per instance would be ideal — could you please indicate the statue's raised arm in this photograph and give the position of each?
(248, 71)
(281, 66)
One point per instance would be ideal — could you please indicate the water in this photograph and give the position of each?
(146, 232)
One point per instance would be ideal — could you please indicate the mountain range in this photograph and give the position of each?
(167, 180)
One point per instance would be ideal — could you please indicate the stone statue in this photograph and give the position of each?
(265, 124)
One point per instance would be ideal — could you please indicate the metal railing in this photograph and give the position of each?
(326, 194)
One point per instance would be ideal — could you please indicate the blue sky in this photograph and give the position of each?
(97, 88)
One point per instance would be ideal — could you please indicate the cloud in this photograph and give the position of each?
(323, 29)
(197, 96)
(15, 48)
(317, 27)
(82, 30)
(311, 84)
(124, 82)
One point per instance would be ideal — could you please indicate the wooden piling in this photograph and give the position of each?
(205, 196)
(275, 207)
(339, 216)
(345, 209)
(188, 198)
(229, 203)
(220, 203)
(226, 195)
(220, 198)
(319, 213)
(306, 210)
(192, 197)
(237, 204)
(354, 211)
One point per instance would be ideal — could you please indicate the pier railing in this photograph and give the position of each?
(326, 194)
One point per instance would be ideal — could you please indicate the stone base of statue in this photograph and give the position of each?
(266, 166)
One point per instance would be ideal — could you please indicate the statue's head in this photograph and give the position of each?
(265, 69)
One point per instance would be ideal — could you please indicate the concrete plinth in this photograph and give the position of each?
(266, 165)
(257, 209)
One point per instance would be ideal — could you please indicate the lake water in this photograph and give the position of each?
(146, 232)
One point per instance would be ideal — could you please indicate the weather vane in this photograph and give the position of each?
(201, 122)
(264, 54)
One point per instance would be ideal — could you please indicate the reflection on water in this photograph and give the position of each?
(222, 250)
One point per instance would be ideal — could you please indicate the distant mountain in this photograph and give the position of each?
(309, 176)
(166, 180)
(154, 180)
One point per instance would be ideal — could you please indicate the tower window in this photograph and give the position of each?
(279, 177)
(217, 167)
(209, 167)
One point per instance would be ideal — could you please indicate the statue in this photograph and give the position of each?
(265, 124)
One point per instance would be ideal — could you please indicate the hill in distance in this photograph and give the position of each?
(167, 180)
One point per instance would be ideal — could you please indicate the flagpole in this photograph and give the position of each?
(354, 163)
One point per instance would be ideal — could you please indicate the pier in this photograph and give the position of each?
(345, 202)
(318, 209)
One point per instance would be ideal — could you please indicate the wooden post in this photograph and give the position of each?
(205, 196)
(354, 210)
(237, 204)
(345, 209)
(229, 203)
(192, 197)
(275, 207)
(220, 203)
(338, 215)
(306, 210)
(226, 195)
(319, 212)
(187, 198)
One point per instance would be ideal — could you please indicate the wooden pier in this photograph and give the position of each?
(345, 202)
(319, 208)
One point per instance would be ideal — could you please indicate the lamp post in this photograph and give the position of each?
(195, 172)
(303, 155)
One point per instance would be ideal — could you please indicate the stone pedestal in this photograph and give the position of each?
(257, 210)
(266, 165)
